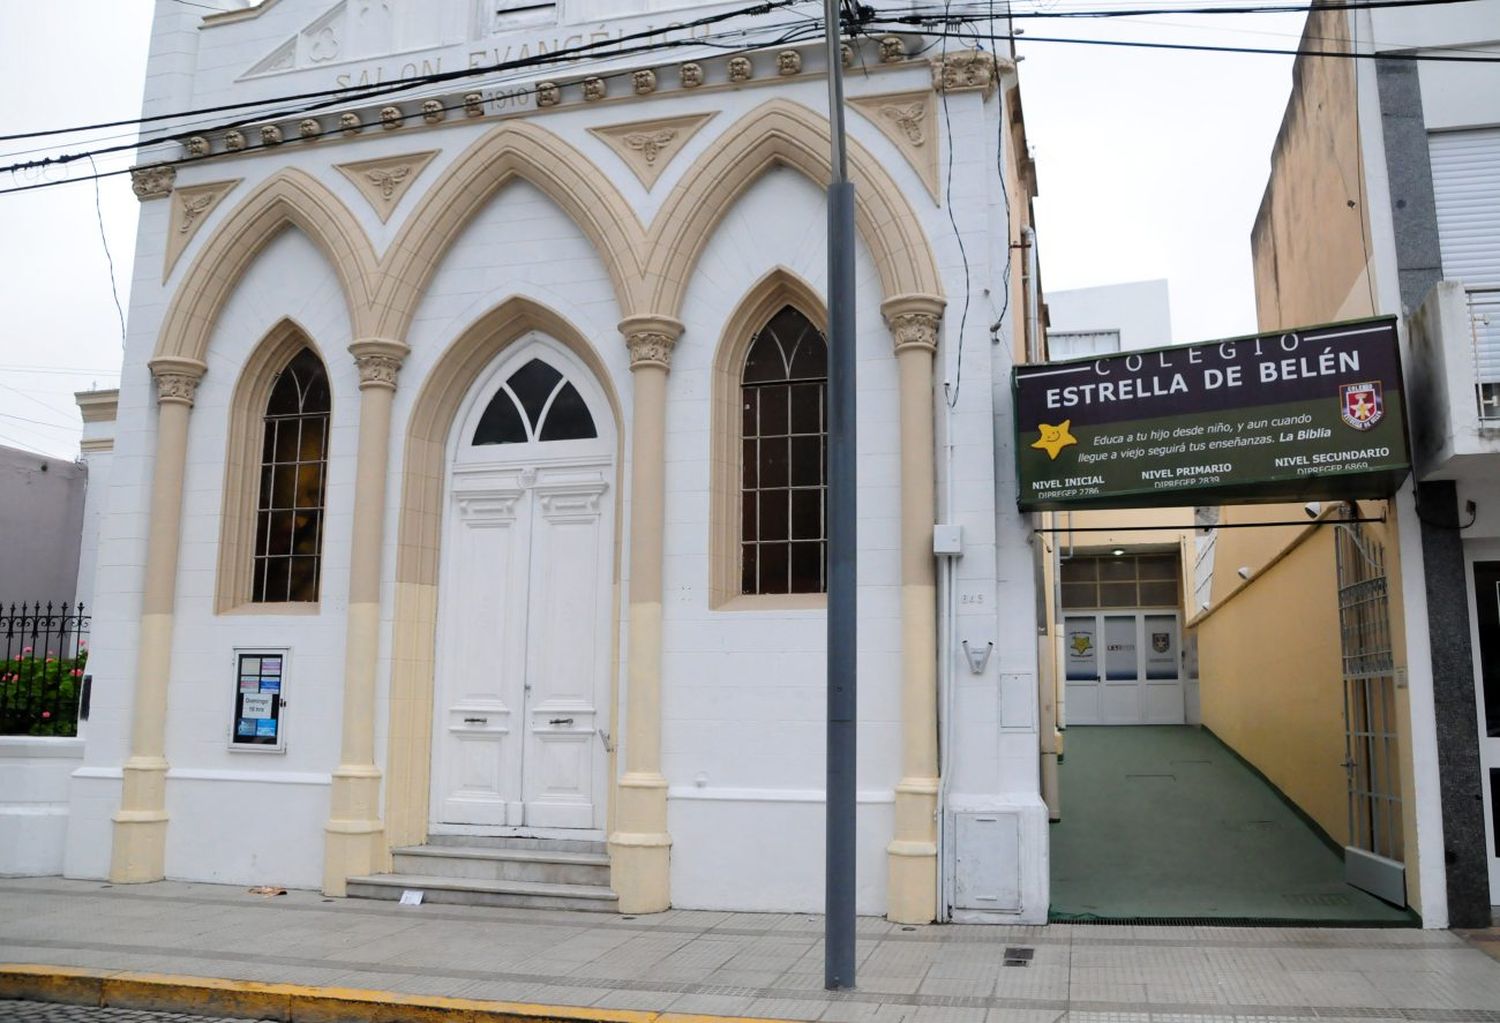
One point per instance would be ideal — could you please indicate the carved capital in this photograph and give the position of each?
(176, 379)
(966, 71)
(913, 321)
(153, 182)
(378, 361)
(650, 340)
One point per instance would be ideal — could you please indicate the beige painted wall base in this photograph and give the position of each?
(911, 893)
(640, 871)
(640, 859)
(354, 843)
(139, 851)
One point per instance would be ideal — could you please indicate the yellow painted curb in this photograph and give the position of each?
(294, 1003)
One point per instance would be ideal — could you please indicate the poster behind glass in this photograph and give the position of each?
(257, 700)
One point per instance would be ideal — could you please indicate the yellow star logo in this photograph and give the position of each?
(1362, 407)
(1055, 438)
(1082, 642)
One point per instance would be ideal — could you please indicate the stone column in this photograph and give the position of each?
(640, 847)
(912, 883)
(355, 836)
(140, 834)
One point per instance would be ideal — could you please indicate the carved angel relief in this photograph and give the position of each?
(650, 144)
(383, 181)
(646, 147)
(906, 118)
(388, 179)
(191, 206)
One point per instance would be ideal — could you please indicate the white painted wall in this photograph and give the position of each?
(34, 802)
(1139, 310)
(742, 691)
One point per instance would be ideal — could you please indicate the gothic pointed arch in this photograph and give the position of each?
(256, 464)
(777, 290)
(419, 533)
(782, 133)
(513, 150)
(289, 199)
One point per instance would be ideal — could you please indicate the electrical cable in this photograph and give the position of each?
(916, 24)
(357, 93)
(795, 33)
(104, 239)
(788, 34)
(919, 24)
(37, 422)
(950, 391)
(1288, 8)
(1004, 191)
(353, 94)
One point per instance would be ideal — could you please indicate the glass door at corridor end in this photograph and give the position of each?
(1123, 668)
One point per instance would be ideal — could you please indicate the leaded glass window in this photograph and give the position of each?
(294, 463)
(535, 403)
(784, 433)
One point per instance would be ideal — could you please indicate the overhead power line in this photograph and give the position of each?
(354, 93)
(795, 33)
(520, 64)
(924, 24)
(917, 23)
(350, 94)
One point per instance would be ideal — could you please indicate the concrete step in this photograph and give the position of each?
(462, 891)
(505, 864)
(579, 845)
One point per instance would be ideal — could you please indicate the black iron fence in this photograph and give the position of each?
(43, 684)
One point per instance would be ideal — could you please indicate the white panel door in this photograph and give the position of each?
(482, 652)
(523, 639)
(567, 647)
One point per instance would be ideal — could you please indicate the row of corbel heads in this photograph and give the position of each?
(962, 70)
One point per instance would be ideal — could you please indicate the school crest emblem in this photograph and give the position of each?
(1082, 643)
(1362, 405)
(1161, 642)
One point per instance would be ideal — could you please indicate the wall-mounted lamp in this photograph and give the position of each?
(977, 658)
(1118, 551)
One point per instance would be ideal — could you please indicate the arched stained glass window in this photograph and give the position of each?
(535, 403)
(294, 462)
(784, 433)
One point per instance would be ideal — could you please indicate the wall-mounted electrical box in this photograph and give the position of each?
(947, 539)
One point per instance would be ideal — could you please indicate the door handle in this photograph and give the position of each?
(476, 721)
(560, 721)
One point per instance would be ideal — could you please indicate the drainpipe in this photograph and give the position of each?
(947, 646)
(1033, 297)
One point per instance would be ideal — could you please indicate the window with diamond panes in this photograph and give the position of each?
(784, 435)
(294, 462)
(535, 404)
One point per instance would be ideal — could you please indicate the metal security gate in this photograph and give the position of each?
(1373, 858)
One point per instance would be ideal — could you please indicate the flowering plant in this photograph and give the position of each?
(39, 692)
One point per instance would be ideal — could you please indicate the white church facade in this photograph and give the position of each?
(469, 474)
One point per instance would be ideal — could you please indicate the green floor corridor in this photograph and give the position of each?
(1163, 821)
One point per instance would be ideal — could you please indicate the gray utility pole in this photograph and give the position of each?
(838, 895)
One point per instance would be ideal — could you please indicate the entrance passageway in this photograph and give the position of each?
(1164, 821)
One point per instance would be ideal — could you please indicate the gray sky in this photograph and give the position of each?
(1150, 163)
